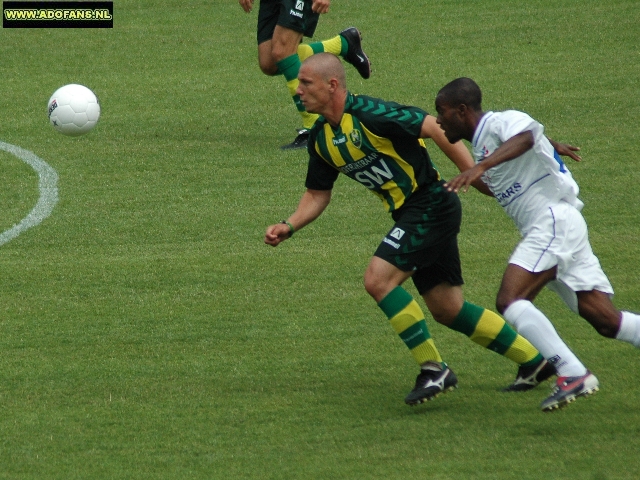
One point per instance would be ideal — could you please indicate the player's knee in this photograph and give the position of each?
(503, 301)
(444, 316)
(373, 286)
(280, 51)
(444, 303)
(268, 68)
(377, 287)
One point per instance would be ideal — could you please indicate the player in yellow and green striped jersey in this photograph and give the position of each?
(380, 145)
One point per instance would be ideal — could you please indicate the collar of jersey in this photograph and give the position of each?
(479, 128)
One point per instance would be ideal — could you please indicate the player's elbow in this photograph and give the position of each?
(527, 140)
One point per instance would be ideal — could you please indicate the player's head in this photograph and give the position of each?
(459, 105)
(328, 66)
(321, 77)
(461, 91)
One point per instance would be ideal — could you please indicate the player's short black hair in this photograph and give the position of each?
(461, 91)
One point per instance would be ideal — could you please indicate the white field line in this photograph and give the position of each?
(47, 184)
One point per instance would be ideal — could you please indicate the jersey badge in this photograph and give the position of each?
(356, 139)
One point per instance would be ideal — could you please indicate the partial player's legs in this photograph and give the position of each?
(283, 44)
(440, 285)
(382, 281)
(484, 327)
(596, 307)
(581, 282)
(281, 26)
(434, 265)
(518, 289)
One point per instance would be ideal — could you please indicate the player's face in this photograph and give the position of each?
(450, 120)
(314, 92)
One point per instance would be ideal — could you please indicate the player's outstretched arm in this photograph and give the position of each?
(310, 207)
(512, 148)
(457, 152)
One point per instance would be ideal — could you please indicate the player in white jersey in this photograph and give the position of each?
(526, 175)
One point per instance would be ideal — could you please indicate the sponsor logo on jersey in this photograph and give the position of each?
(397, 233)
(366, 161)
(485, 152)
(356, 139)
(375, 176)
(339, 140)
(509, 192)
(391, 242)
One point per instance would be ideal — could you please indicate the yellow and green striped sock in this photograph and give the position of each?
(489, 330)
(409, 323)
(336, 45)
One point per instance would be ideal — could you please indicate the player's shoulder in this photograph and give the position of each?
(317, 136)
(507, 120)
(380, 115)
(365, 104)
(506, 116)
(317, 127)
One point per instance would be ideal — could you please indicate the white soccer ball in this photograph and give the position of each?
(73, 110)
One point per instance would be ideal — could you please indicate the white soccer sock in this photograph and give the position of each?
(629, 329)
(533, 325)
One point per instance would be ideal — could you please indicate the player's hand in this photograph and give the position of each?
(464, 180)
(277, 234)
(320, 6)
(568, 151)
(247, 5)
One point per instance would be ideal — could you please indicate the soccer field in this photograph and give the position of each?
(146, 331)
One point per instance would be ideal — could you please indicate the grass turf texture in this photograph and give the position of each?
(148, 333)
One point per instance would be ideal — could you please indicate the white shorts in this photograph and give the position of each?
(560, 238)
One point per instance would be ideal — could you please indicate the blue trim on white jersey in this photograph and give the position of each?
(479, 128)
(563, 167)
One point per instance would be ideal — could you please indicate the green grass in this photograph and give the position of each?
(146, 330)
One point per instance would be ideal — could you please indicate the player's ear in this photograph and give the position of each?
(463, 110)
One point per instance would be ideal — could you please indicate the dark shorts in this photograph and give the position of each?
(424, 238)
(295, 15)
